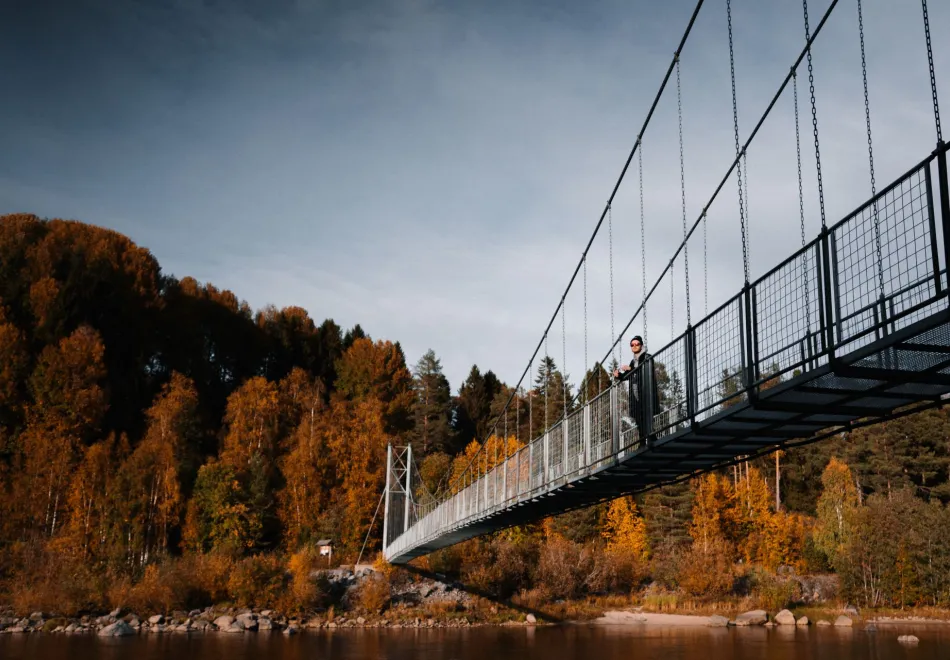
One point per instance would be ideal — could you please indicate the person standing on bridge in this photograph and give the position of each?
(641, 384)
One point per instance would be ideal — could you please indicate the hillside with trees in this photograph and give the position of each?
(164, 445)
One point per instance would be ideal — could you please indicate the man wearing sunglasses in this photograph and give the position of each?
(633, 373)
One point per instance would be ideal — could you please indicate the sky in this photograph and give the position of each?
(433, 170)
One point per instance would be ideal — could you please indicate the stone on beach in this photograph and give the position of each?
(117, 629)
(717, 621)
(785, 618)
(843, 621)
(752, 618)
(803, 621)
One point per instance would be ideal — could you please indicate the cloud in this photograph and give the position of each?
(433, 171)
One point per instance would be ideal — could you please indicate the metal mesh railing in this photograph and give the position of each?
(787, 316)
(601, 431)
(575, 441)
(719, 359)
(669, 369)
(884, 262)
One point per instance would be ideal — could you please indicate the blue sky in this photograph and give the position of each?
(433, 170)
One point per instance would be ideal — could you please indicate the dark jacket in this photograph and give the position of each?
(639, 381)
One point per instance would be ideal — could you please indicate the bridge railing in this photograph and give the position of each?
(876, 271)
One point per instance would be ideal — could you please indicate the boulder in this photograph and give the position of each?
(716, 621)
(117, 629)
(292, 629)
(822, 623)
(752, 618)
(235, 627)
(785, 618)
(115, 613)
(803, 621)
(156, 619)
(769, 624)
(908, 639)
(265, 624)
(248, 621)
(844, 621)
(224, 621)
(532, 619)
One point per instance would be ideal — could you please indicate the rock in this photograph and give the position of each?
(185, 627)
(752, 618)
(36, 616)
(844, 621)
(871, 627)
(908, 639)
(292, 629)
(265, 624)
(115, 613)
(224, 621)
(716, 621)
(267, 613)
(531, 619)
(360, 620)
(117, 629)
(803, 621)
(822, 623)
(770, 624)
(156, 619)
(785, 618)
(236, 627)
(71, 628)
(248, 621)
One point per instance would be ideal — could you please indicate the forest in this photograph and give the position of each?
(164, 445)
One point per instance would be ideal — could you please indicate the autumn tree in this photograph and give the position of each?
(306, 467)
(251, 420)
(154, 473)
(69, 403)
(836, 509)
(624, 527)
(378, 370)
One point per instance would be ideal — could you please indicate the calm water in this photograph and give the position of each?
(549, 643)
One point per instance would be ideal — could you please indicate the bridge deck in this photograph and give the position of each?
(855, 325)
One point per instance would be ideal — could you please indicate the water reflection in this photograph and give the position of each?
(547, 643)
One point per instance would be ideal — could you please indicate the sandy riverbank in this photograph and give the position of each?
(624, 618)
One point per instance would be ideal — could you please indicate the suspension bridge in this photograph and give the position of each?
(851, 329)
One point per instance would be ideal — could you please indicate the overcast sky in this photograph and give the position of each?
(433, 170)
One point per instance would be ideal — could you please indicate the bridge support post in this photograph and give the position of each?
(829, 291)
(564, 462)
(389, 473)
(587, 435)
(944, 185)
(408, 487)
(546, 458)
(614, 420)
(692, 379)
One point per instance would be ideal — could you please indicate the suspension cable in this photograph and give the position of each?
(586, 366)
(564, 355)
(739, 151)
(867, 120)
(610, 244)
(705, 269)
(801, 202)
(679, 115)
(643, 247)
(933, 78)
(814, 119)
(547, 381)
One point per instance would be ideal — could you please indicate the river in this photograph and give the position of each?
(543, 643)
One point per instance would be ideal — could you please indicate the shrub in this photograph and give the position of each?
(617, 570)
(773, 592)
(256, 581)
(563, 567)
(306, 590)
(374, 593)
(707, 570)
